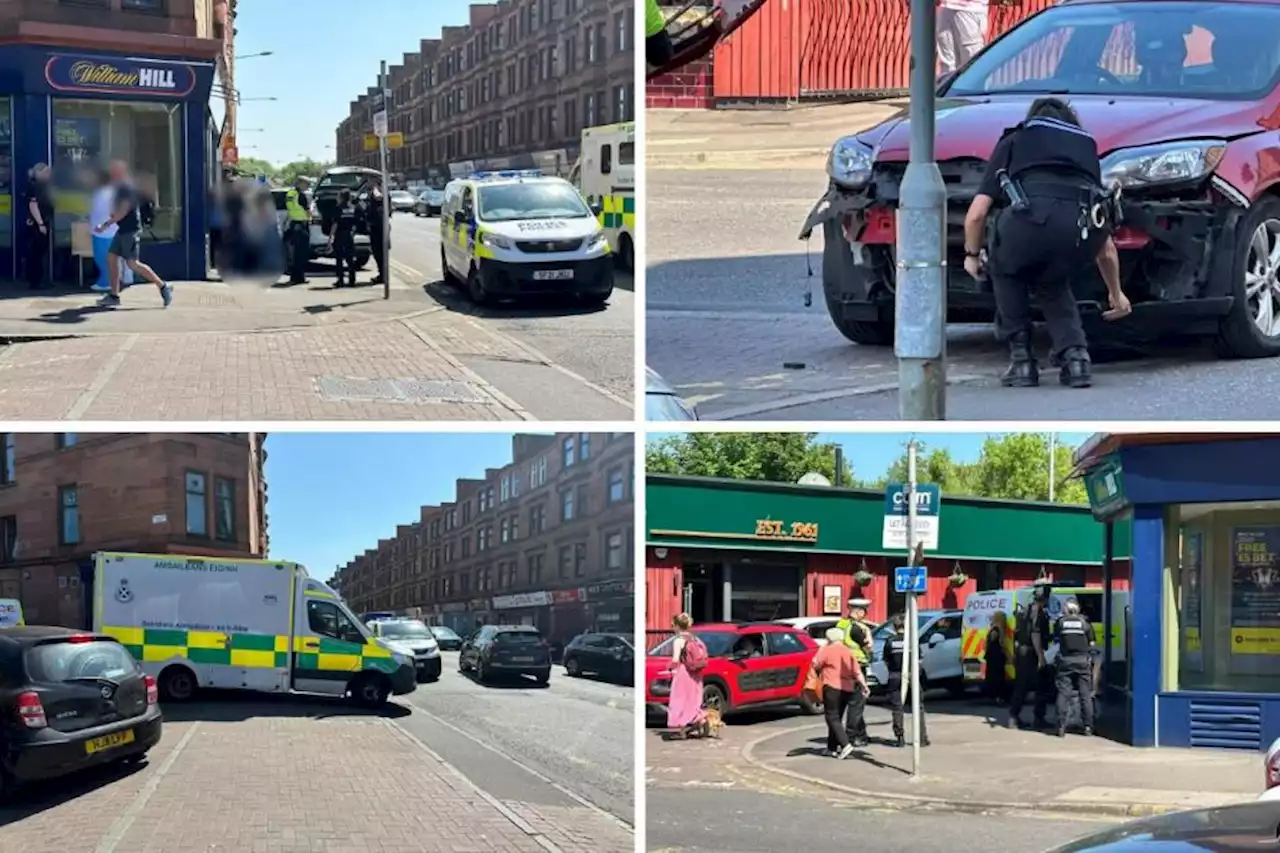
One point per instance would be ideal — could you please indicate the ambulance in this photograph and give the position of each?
(606, 174)
(980, 606)
(257, 625)
(11, 613)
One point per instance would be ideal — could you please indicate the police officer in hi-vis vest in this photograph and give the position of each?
(857, 638)
(657, 41)
(1074, 676)
(297, 233)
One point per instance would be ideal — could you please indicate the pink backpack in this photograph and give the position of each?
(695, 655)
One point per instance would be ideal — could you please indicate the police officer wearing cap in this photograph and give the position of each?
(1053, 217)
(857, 638)
(1074, 666)
(1031, 641)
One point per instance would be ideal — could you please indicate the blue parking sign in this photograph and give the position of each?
(910, 579)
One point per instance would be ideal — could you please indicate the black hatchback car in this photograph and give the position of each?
(1250, 826)
(70, 700)
(610, 656)
(497, 650)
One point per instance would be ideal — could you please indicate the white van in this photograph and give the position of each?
(940, 632)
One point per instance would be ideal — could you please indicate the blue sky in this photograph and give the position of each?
(871, 454)
(325, 53)
(332, 495)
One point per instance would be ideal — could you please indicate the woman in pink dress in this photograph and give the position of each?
(684, 708)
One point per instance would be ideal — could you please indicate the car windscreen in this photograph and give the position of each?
(402, 196)
(405, 631)
(1152, 48)
(443, 633)
(531, 201)
(718, 643)
(341, 181)
(518, 638)
(51, 663)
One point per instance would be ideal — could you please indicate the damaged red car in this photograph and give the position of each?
(1182, 98)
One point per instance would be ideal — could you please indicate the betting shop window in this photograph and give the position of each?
(1226, 601)
(146, 136)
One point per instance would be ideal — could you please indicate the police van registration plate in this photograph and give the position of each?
(552, 275)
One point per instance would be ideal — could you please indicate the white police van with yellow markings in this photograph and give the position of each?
(517, 233)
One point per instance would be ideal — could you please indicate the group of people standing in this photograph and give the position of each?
(353, 213)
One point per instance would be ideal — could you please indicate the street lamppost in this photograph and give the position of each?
(253, 55)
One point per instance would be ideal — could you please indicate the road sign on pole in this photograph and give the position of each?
(380, 123)
(928, 502)
(395, 140)
(911, 579)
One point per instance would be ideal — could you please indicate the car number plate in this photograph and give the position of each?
(100, 744)
(552, 275)
(522, 660)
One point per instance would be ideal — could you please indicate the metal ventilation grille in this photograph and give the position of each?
(1226, 725)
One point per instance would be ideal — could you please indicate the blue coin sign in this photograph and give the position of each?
(908, 579)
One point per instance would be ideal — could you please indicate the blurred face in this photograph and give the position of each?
(858, 612)
(118, 172)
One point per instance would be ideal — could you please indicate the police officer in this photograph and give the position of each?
(1031, 641)
(298, 230)
(857, 638)
(1074, 676)
(1054, 217)
(342, 239)
(377, 235)
(894, 645)
(657, 42)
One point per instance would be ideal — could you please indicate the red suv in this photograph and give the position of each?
(1182, 98)
(750, 666)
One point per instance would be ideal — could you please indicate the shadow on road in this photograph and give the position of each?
(31, 800)
(230, 706)
(506, 682)
(453, 299)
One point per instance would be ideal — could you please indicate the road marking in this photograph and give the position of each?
(577, 798)
(754, 409)
(471, 376)
(105, 374)
(408, 272)
(116, 833)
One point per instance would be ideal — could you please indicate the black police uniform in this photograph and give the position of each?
(345, 224)
(1074, 677)
(893, 648)
(1029, 676)
(1056, 165)
(377, 236)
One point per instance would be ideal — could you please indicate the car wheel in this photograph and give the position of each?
(841, 277)
(475, 287)
(572, 667)
(713, 697)
(446, 275)
(1252, 327)
(810, 704)
(177, 684)
(626, 253)
(370, 691)
(481, 675)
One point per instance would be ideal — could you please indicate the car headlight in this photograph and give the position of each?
(598, 240)
(1172, 162)
(433, 652)
(493, 241)
(402, 659)
(849, 163)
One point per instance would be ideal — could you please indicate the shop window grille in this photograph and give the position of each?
(1226, 724)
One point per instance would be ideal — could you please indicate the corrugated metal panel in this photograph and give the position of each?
(828, 570)
(663, 588)
(1229, 724)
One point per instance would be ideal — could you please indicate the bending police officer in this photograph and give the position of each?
(1056, 217)
(894, 645)
(342, 239)
(857, 639)
(657, 42)
(298, 230)
(1074, 666)
(1031, 641)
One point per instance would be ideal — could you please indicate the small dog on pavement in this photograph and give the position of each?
(711, 724)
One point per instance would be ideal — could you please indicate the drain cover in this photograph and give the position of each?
(339, 389)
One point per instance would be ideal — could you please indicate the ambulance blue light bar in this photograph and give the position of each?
(508, 173)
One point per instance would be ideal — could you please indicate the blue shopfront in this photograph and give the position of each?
(72, 110)
(1204, 583)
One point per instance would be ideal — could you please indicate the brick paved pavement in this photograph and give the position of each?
(280, 784)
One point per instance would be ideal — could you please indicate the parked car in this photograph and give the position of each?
(1181, 100)
(610, 656)
(940, 663)
(815, 626)
(403, 201)
(68, 701)
(428, 203)
(662, 403)
(446, 637)
(1243, 826)
(504, 650)
(751, 665)
(324, 208)
(411, 637)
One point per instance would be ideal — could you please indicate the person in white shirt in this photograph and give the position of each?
(962, 32)
(100, 209)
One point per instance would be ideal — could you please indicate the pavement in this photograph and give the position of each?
(252, 351)
(737, 323)
(973, 765)
(248, 774)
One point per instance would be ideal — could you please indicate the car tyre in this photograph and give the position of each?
(713, 696)
(177, 684)
(370, 691)
(1238, 333)
(626, 253)
(475, 287)
(446, 275)
(481, 675)
(572, 667)
(840, 276)
(810, 704)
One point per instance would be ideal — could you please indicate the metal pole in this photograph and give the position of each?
(385, 248)
(1053, 451)
(920, 312)
(913, 617)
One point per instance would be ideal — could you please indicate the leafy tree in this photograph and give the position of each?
(933, 466)
(1017, 466)
(289, 172)
(780, 457)
(256, 166)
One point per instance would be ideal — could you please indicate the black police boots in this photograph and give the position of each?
(1076, 368)
(1023, 371)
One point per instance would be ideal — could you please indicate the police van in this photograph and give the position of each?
(518, 233)
(11, 613)
(606, 175)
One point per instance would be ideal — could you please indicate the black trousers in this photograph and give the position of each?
(344, 256)
(1039, 251)
(379, 245)
(1074, 679)
(895, 707)
(855, 721)
(833, 704)
(300, 244)
(35, 256)
(996, 684)
(1029, 677)
(658, 49)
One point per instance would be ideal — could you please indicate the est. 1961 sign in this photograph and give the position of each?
(110, 76)
(796, 531)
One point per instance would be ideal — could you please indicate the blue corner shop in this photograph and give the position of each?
(1204, 620)
(72, 109)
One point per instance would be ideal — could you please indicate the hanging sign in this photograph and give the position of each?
(111, 76)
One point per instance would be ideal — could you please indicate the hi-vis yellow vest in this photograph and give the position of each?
(654, 21)
(859, 651)
(297, 213)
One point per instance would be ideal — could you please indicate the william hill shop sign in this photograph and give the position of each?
(100, 75)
